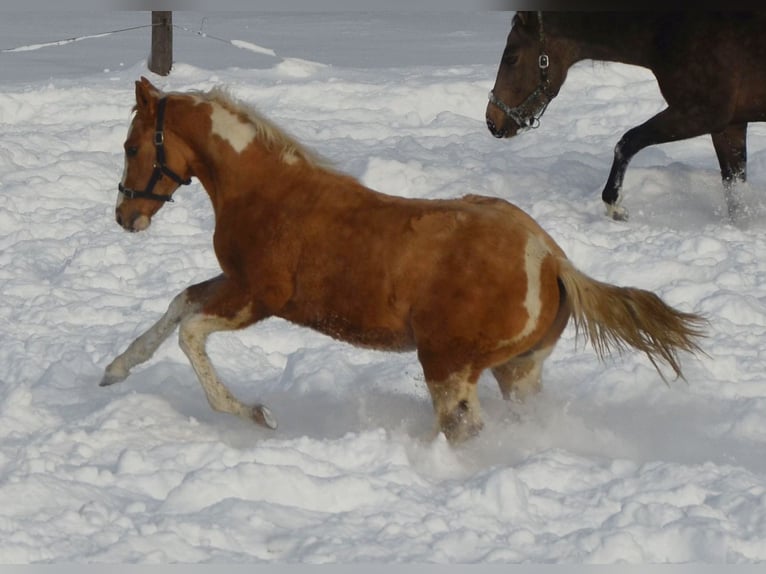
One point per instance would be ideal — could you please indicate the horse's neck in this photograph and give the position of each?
(256, 172)
(216, 171)
(616, 36)
(240, 167)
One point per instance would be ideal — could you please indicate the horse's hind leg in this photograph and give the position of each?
(521, 377)
(453, 393)
(731, 149)
(456, 406)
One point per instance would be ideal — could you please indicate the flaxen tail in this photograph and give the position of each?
(614, 318)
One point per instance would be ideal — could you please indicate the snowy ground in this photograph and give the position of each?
(608, 464)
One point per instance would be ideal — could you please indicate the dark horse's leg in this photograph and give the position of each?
(202, 309)
(671, 124)
(731, 149)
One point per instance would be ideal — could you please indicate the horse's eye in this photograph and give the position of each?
(131, 151)
(510, 57)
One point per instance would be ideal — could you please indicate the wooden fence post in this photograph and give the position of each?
(161, 59)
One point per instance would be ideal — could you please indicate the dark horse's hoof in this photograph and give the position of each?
(616, 212)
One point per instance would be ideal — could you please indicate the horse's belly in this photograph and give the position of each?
(382, 337)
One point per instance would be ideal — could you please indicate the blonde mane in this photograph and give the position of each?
(267, 132)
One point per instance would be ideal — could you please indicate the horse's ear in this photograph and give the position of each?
(146, 96)
(523, 17)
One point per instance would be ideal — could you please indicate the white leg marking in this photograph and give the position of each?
(521, 378)
(457, 407)
(193, 335)
(616, 211)
(145, 345)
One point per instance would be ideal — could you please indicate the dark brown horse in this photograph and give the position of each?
(709, 68)
(470, 284)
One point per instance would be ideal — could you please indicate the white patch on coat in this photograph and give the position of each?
(534, 254)
(230, 128)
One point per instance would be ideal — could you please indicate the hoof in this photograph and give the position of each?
(263, 416)
(461, 424)
(616, 212)
(111, 378)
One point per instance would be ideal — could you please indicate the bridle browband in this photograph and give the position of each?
(160, 167)
(528, 113)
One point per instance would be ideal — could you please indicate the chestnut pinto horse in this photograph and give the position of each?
(709, 68)
(470, 284)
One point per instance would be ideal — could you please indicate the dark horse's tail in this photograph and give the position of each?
(614, 318)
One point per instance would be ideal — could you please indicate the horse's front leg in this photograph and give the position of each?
(633, 141)
(142, 349)
(671, 124)
(201, 309)
(193, 334)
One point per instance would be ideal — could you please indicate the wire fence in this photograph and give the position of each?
(30, 47)
(201, 33)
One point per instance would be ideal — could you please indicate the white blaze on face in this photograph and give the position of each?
(230, 128)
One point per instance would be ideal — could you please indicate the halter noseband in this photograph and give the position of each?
(160, 167)
(528, 113)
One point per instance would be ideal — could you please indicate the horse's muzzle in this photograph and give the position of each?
(498, 132)
(133, 223)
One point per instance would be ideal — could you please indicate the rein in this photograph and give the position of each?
(527, 114)
(160, 167)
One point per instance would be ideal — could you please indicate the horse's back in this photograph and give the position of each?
(722, 52)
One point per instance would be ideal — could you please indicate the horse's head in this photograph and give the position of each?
(531, 72)
(156, 161)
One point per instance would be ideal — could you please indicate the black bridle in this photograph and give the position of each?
(160, 167)
(528, 113)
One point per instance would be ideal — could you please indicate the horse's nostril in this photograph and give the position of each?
(494, 130)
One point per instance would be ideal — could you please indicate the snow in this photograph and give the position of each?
(606, 465)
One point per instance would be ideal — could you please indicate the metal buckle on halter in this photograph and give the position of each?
(543, 61)
(159, 138)
(126, 191)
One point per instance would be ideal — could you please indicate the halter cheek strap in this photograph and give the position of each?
(528, 113)
(160, 167)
